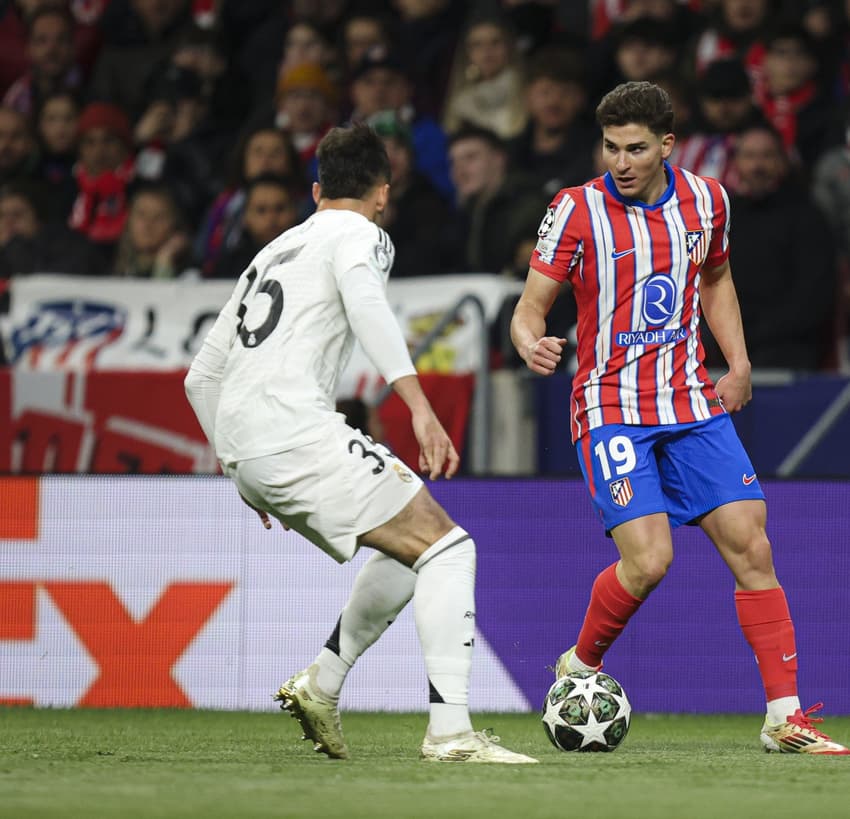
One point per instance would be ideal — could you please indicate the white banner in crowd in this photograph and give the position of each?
(168, 591)
(81, 323)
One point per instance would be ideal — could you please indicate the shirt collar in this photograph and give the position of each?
(637, 203)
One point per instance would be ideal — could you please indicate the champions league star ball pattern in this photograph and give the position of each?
(586, 711)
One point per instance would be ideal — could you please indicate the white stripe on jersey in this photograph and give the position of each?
(603, 242)
(680, 264)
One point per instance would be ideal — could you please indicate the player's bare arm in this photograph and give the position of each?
(540, 352)
(723, 314)
(437, 454)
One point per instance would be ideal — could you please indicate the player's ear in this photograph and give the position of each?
(383, 197)
(667, 143)
(317, 192)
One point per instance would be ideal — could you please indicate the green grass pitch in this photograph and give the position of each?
(89, 764)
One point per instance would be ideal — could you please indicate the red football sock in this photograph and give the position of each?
(609, 610)
(766, 623)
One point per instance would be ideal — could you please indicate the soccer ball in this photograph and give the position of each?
(586, 711)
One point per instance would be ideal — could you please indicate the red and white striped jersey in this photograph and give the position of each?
(635, 271)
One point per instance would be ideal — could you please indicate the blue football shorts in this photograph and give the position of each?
(684, 470)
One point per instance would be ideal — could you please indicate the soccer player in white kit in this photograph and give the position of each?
(262, 386)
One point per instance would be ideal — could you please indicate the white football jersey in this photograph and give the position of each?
(286, 335)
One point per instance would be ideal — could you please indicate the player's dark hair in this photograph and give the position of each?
(638, 103)
(352, 161)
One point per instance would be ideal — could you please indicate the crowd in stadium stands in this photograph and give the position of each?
(160, 138)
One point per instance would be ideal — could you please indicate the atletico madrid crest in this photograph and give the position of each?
(697, 245)
(621, 491)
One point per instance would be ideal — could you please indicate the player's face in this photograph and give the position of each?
(634, 157)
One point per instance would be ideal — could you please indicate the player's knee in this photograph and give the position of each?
(647, 571)
(759, 555)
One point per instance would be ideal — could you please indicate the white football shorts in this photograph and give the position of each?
(330, 491)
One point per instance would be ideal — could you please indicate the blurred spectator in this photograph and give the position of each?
(154, 243)
(13, 49)
(270, 209)
(138, 36)
(29, 243)
(645, 49)
(18, 149)
(306, 108)
(426, 38)
(360, 32)
(724, 107)
(416, 212)
(822, 21)
(486, 83)
(555, 148)
(304, 43)
(791, 98)
(737, 29)
(658, 22)
(180, 141)
(831, 190)
(56, 126)
(262, 149)
(380, 83)
(682, 14)
(495, 209)
(283, 41)
(785, 268)
(104, 170)
(203, 52)
(681, 95)
(50, 50)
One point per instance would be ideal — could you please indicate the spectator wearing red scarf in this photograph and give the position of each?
(104, 169)
(791, 98)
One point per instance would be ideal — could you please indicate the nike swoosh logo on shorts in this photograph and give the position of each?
(787, 657)
(748, 479)
(618, 254)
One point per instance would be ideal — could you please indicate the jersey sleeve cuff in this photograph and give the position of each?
(547, 270)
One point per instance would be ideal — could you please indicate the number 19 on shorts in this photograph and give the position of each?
(617, 452)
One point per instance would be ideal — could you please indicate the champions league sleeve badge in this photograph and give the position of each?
(546, 223)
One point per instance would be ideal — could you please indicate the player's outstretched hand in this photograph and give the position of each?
(437, 454)
(544, 355)
(735, 390)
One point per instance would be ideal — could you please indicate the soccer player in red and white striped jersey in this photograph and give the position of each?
(645, 249)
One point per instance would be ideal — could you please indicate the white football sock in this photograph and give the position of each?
(444, 609)
(780, 709)
(382, 588)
